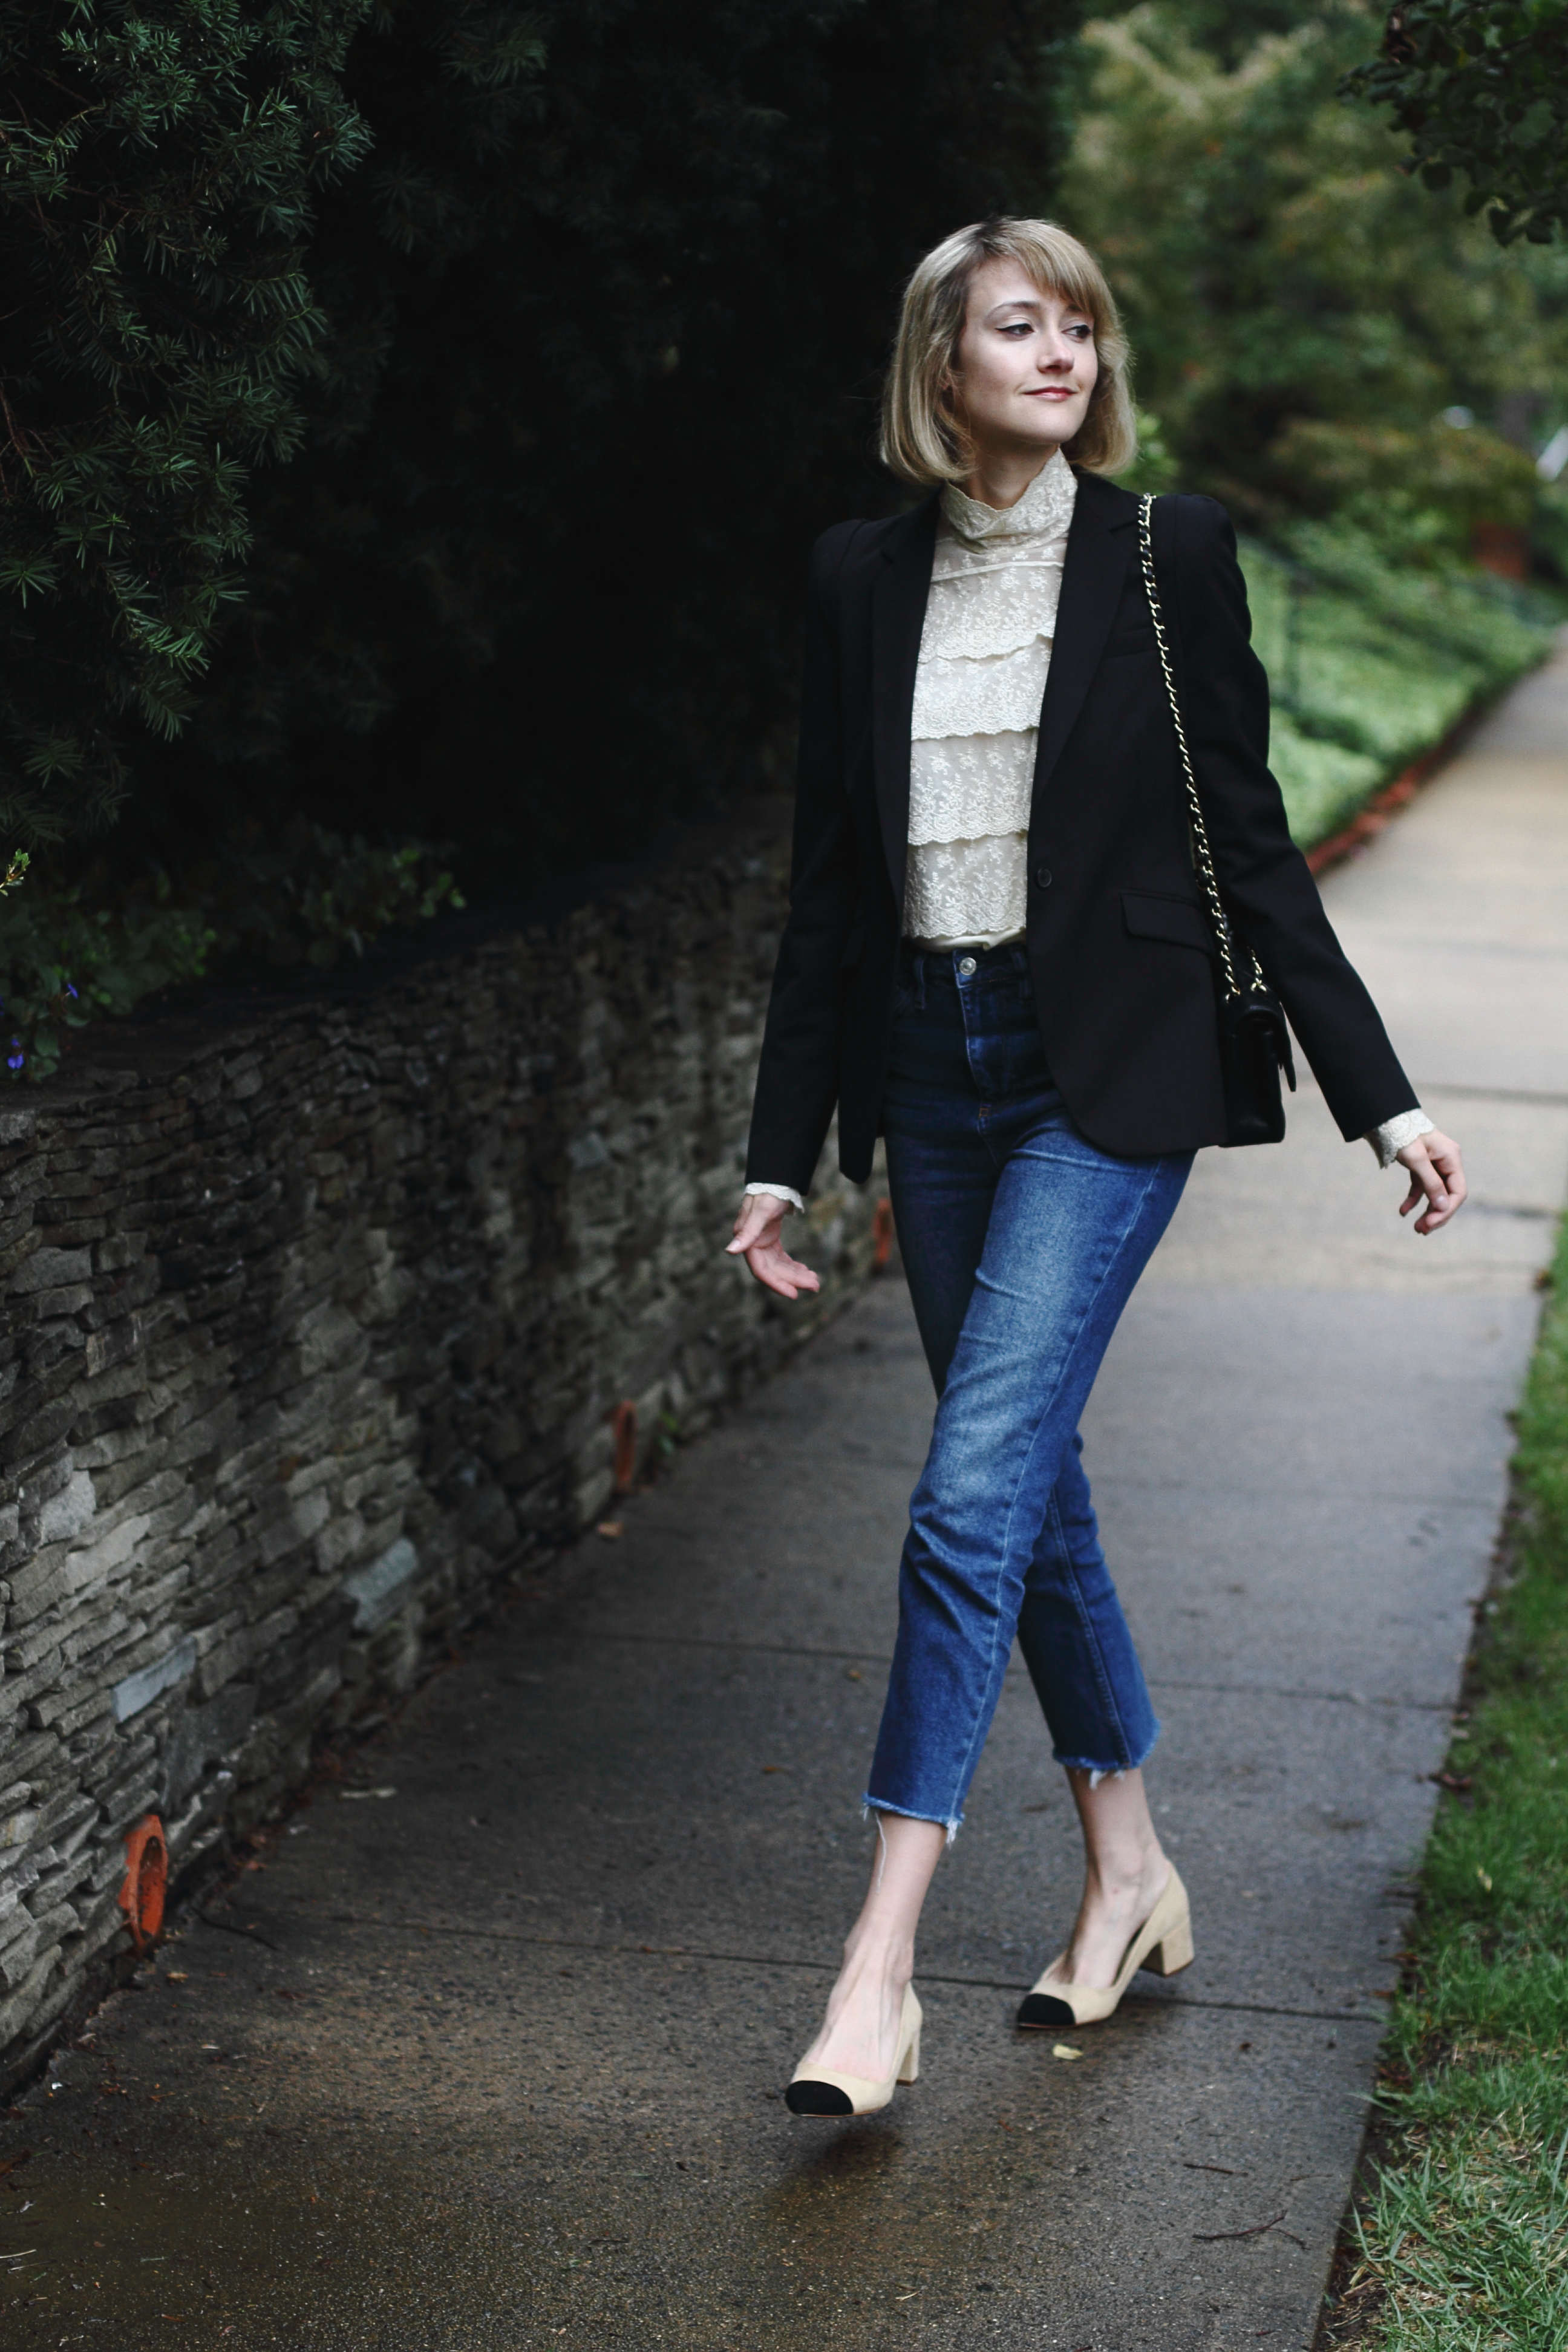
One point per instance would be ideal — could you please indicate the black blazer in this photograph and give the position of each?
(1122, 952)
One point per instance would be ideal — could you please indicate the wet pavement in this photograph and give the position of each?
(487, 2049)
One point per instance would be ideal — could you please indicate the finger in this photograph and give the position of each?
(1439, 1213)
(778, 1271)
(773, 1276)
(1437, 1186)
(770, 1267)
(1453, 1174)
(754, 1228)
(1422, 1170)
(1439, 1207)
(790, 1269)
(774, 1283)
(1446, 1158)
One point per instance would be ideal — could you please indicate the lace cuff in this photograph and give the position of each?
(1392, 1136)
(779, 1193)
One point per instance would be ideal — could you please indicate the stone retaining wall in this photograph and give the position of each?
(317, 1310)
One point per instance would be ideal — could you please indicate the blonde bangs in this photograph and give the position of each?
(922, 439)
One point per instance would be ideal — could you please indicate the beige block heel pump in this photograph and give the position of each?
(1164, 1944)
(816, 2091)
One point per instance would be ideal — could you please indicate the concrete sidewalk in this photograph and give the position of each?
(505, 2070)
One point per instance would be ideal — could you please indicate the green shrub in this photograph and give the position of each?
(1421, 490)
(158, 165)
(1480, 87)
(305, 898)
(1304, 312)
(1372, 662)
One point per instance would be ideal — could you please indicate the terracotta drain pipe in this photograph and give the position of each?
(624, 1423)
(146, 1881)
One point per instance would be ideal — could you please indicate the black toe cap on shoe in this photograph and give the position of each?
(818, 2099)
(1040, 2009)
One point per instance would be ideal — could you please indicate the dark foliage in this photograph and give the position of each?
(157, 168)
(608, 305)
(1481, 87)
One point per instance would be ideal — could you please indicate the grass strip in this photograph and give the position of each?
(1459, 2241)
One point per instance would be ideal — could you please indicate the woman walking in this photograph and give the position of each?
(1001, 952)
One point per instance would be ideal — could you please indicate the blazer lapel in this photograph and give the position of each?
(1099, 546)
(898, 616)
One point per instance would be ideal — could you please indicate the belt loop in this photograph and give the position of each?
(919, 980)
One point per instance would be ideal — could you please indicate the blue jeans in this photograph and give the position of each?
(1021, 1244)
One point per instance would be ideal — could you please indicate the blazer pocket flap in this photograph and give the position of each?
(1181, 920)
(1128, 641)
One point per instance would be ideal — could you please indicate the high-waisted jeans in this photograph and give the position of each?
(1021, 1244)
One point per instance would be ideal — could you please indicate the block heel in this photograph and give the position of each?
(910, 2071)
(1173, 1952)
(1163, 1943)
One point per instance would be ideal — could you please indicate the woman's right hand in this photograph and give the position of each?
(759, 1231)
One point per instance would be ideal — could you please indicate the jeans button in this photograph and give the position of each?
(1042, 877)
(966, 966)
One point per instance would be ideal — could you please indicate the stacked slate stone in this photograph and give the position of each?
(318, 1310)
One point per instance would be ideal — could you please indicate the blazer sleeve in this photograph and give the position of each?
(1264, 879)
(797, 1078)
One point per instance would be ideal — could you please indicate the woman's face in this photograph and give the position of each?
(1025, 366)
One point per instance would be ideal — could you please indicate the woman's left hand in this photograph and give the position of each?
(1437, 1177)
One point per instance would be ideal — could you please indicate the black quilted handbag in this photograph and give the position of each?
(1254, 1042)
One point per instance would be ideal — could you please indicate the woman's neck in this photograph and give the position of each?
(1001, 476)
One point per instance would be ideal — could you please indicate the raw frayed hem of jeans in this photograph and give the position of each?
(1098, 1771)
(952, 1823)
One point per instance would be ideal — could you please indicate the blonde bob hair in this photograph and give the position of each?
(921, 436)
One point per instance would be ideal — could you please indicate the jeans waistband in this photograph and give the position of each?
(962, 968)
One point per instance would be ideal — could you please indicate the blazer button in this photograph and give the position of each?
(1042, 877)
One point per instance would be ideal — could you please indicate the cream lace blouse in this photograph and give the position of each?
(986, 653)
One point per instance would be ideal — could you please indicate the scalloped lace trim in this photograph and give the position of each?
(964, 786)
(967, 893)
(972, 613)
(999, 696)
(1390, 1139)
(1045, 508)
(985, 643)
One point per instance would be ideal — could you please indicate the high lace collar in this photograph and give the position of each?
(1044, 510)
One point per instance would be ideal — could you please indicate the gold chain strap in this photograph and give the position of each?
(1202, 860)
